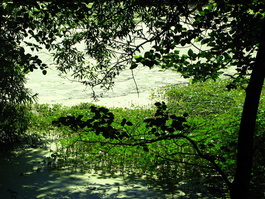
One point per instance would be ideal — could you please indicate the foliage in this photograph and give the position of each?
(229, 30)
(110, 30)
(203, 99)
(218, 142)
(15, 62)
(173, 163)
(219, 39)
(164, 131)
(14, 120)
(216, 112)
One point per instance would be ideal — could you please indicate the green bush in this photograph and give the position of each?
(14, 121)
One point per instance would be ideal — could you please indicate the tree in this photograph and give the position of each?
(14, 65)
(114, 33)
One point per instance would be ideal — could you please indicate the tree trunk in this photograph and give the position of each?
(241, 184)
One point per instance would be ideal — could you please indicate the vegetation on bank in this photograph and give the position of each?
(213, 121)
(232, 32)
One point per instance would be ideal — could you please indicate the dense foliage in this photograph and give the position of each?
(114, 33)
(176, 163)
(14, 65)
(221, 33)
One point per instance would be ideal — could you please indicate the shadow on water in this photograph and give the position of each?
(24, 175)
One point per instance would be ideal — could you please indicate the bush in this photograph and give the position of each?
(14, 120)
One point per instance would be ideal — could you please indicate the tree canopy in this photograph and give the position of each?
(114, 34)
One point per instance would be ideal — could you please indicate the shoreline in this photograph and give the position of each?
(53, 89)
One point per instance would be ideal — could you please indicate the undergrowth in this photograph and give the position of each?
(214, 117)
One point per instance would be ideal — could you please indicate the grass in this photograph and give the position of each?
(214, 116)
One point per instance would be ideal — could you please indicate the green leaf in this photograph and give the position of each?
(148, 55)
(133, 65)
(190, 53)
(138, 58)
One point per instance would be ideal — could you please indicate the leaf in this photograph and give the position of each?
(158, 104)
(123, 122)
(133, 66)
(153, 130)
(124, 134)
(145, 148)
(190, 53)
(173, 116)
(129, 123)
(157, 134)
(38, 61)
(158, 113)
(138, 58)
(185, 114)
(106, 134)
(103, 110)
(97, 116)
(148, 54)
(44, 72)
(164, 107)
(149, 63)
(183, 42)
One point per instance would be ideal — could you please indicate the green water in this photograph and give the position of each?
(24, 175)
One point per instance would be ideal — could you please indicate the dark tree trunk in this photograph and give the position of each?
(241, 184)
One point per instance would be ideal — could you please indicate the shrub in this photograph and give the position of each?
(14, 120)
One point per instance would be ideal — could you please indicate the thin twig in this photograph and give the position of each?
(135, 83)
